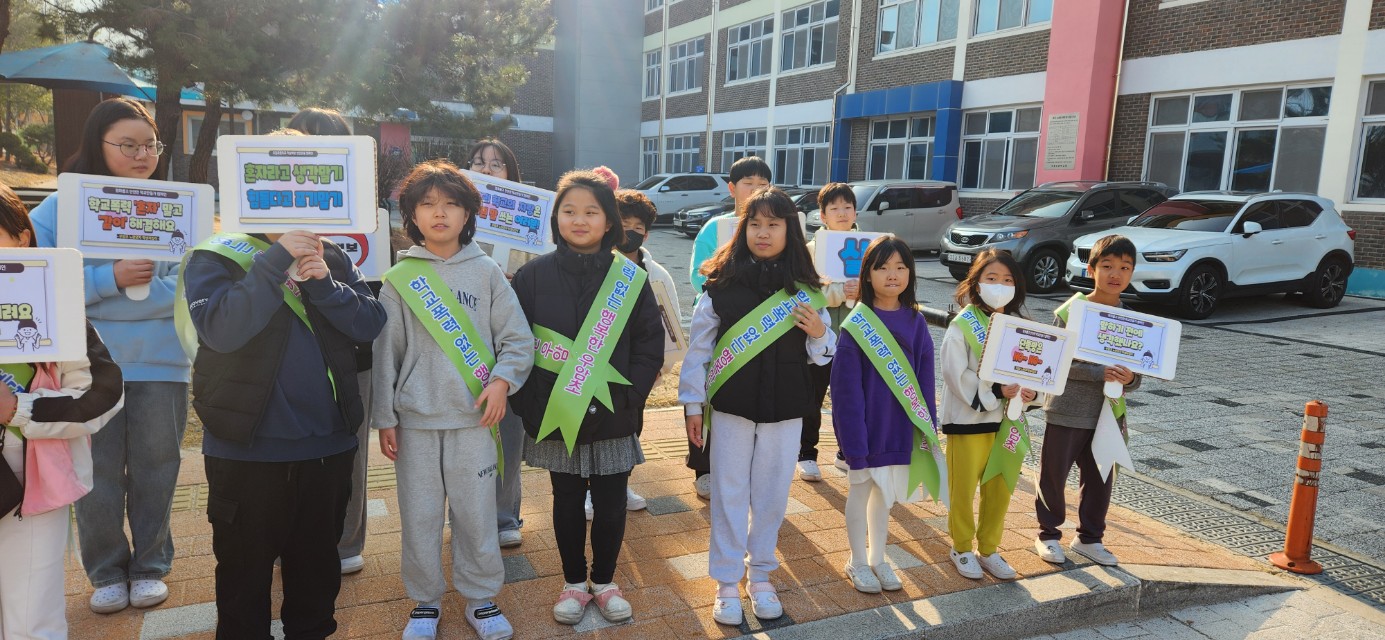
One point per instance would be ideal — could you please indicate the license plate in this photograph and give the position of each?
(964, 258)
(1084, 272)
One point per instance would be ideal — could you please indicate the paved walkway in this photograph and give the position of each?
(663, 563)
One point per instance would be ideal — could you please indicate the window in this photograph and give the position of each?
(996, 15)
(649, 157)
(1298, 213)
(692, 183)
(231, 124)
(651, 5)
(1000, 148)
(810, 36)
(652, 68)
(911, 23)
(900, 149)
(684, 59)
(1370, 177)
(802, 155)
(912, 198)
(748, 49)
(1249, 140)
(682, 154)
(740, 144)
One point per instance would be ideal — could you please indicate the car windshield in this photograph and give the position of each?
(863, 193)
(808, 201)
(1039, 204)
(649, 182)
(1189, 215)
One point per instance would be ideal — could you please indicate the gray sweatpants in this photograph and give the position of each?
(752, 468)
(456, 466)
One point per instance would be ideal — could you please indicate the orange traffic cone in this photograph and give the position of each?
(1298, 538)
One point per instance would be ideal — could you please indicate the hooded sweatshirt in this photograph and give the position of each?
(872, 428)
(414, 384)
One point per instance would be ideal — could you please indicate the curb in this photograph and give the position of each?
(1072, 599)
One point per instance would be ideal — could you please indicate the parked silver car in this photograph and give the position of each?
(915, 211)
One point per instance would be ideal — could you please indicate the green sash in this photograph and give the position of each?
(1117, 404)
(586, 371)
(1012, 441)
(240, 249)
(17, 377)
(418, 284)
(757, 330)
(892, 364)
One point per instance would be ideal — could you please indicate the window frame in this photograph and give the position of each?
(731, 152)
(884, 7)
(986, 141)
(649, 148)
(906, 142)
(653, 71)
(650, 6)
(766, 40)
(1025, 16)
(788, 36)
(813, 137)
(228, 118)
(1368, 122)
(686, 148)
(676, 66)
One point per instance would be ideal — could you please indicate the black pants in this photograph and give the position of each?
(570, 524)
(1064, 446)
(288, 510)
(821, 377)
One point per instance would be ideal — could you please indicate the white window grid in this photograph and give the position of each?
(999, 15)
(1000, 148)
(649, 157)
(809, 36)
(653, 5)
(900, 149)
(682, 154)
(653, 68)
(749, 49)
(684, 60)
(803, 155)
(904, 24)
(1368, 183)
(741, 144)
(1301, 113)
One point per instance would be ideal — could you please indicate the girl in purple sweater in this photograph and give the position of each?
(882, 408)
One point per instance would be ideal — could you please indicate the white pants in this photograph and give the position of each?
(32, 604)
(752, 468)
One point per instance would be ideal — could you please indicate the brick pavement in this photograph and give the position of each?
(663, 562)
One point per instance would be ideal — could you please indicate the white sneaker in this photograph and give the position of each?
(863, 578)
(703, 485)
(840, 464)
(1096, 552)
(888, 580)
(997, 566)
(147, 593)
(808, 471)
(727, 608)
(764, 601)
(488, 622)
(352, 564)
(423, 623)
(571, 603)
(1050, 551)
(111, 598)
(510, 538)
(590, 512)
(966, 565)
(634, 501)
(610, 602)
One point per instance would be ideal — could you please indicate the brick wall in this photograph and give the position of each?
(896, 70)
(808, 87)
(1220, 24)
(753, 94)
(1370, 237)
(713, 157)
(649, 110)
(1378, 15)
(691, 104)
(686, 11)
(653, 21)
(977, 206)
(534, 151)
(856, 168)
(1128, 143)
(1024, 53)
(535, 96)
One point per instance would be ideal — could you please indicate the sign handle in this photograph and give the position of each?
(1113, 389)
(137, 292)
(1015, 407)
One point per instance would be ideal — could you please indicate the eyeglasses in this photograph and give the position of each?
(131, 150)
(494, 165)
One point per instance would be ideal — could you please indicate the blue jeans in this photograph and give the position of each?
(507, 492)
(135, 460)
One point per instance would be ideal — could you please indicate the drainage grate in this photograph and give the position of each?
(1163, 393)
(1160, 464)
(1226, 403)
(1366, 476)
(1196, 445)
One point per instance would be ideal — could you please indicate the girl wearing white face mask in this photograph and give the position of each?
(972, 412)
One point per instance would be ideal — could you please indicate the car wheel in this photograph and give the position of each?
(1044, 272)
(958, 274)
(1198, 295)
(692, 235)
(1328, 284)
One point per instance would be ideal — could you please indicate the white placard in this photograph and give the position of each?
(1033, 355)
(42, 306)
(1146, 344)
(726, 226)
(273, 184)
(122, 218)
(514, 224)
(675, 343)
(370, 252)
(838, 254)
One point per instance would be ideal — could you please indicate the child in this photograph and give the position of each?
(443, 449)
(47, 412)
(275, 386)
(136, 456)
(747, 175)
(879, 435)
(973, 412)
(596, 326)
(837, 202)
(493, 158)
(758, 396)
(1072, 419)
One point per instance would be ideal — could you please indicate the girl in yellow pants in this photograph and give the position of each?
(971, 414)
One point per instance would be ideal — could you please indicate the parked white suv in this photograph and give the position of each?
(673, 191)
(1198, 248)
